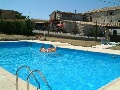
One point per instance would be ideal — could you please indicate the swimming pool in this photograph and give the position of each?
(66, 69)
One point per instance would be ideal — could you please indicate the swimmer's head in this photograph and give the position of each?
(113, 56)
(51, 46)
(43, 46)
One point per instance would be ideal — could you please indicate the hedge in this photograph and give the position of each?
(22, 27)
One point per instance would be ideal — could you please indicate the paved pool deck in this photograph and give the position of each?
(8, 80)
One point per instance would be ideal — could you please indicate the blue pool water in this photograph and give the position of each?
(65, 69)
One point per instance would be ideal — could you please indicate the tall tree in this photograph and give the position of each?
(96, 31)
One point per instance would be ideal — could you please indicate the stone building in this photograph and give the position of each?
(58, 15)
(85, 23)
(104, 15)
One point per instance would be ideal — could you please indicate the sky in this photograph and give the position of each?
(41, 9)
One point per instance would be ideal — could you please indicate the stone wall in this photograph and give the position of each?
(82, 28)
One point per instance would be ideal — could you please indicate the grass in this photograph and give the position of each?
(12, 37)
(54, 39)
(115, 47)
(74, 42)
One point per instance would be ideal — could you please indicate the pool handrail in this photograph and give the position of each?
(41, 76)
(29, 72)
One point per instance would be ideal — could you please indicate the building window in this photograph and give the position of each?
(118, 20)
(69, 15)
(90, 19)
(114, 32)
(64, 15)
(84, 18)
(111, 13)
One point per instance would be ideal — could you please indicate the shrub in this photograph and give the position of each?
(22, 27)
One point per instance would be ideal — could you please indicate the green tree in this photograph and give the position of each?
(96, 31)
(23, 27)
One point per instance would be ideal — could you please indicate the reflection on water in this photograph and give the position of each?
(55, 54)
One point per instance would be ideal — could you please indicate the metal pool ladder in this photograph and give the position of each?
(31, 72)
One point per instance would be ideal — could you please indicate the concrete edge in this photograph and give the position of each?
(113, 85)
(9, 81)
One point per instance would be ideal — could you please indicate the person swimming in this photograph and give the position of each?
(43, 49)
(50, 49)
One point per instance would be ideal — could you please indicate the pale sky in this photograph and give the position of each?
(41, 9)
